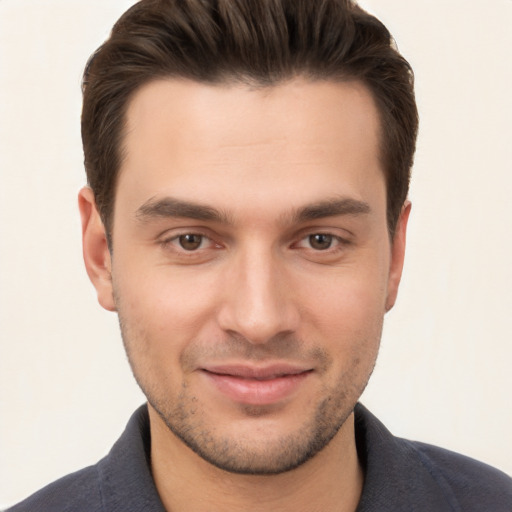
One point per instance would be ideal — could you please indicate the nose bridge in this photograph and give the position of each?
(257, 304)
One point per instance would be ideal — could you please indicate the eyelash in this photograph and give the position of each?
(338, 243)
(168, 242)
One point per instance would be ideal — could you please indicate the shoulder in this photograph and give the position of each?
(403, 475)
(474, 485)
(121, 481)
(75, 492)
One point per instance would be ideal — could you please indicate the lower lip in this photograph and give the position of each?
(257, 392)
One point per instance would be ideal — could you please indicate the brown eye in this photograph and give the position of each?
(190, 242)
(320, 242)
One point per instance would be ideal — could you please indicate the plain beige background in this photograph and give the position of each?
(443, 375)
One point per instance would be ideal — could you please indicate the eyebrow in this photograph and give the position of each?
(332, 208)
(169, 207)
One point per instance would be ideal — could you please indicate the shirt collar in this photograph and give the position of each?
(397, 476)
(125, 473)
(396, 479)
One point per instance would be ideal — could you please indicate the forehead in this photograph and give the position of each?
(300, 109)
(209, 142)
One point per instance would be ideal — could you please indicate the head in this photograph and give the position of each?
(249, 165)
(262, 44)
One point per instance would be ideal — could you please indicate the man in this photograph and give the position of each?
(248, 167)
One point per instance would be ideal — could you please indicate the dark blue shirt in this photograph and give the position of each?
(400, 476)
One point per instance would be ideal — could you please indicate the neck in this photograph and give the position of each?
(330, 481)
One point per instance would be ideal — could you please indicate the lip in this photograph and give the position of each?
(254, 385)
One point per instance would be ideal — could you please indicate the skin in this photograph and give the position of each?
(249, 231)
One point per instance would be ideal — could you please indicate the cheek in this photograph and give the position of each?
(158, 322)
(349, 298)
(352, 324)
(346, 311)
(163, 298)
(161, 314)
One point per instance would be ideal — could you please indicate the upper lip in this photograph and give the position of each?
(269, 371)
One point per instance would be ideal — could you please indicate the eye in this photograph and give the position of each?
(321, 241)
(190, 241)
(184, 247)
(322, 245)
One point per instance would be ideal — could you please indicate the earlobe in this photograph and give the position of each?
(95, 249)
(397, 255)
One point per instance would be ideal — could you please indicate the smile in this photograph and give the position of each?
(257, 386)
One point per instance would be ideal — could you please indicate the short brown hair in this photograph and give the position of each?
(261, 42)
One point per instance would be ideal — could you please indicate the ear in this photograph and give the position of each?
(397, 255)
(95, 249)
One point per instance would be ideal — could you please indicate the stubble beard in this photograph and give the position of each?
(248, 457)
(185, 418)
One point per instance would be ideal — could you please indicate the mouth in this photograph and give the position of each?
(257, 385)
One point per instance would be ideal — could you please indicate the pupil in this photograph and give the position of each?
(190, 242)
(320, 242)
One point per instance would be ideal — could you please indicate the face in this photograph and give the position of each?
(251, 264)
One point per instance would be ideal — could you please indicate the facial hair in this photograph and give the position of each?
(184, 415)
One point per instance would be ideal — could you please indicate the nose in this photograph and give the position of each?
(257, 298)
